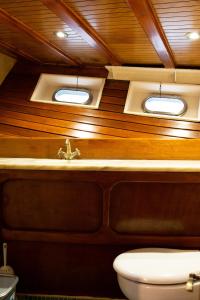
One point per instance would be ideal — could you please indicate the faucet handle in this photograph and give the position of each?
(78, 152)
(60, 153)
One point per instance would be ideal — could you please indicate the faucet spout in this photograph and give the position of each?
(68, 145)
(67, 152)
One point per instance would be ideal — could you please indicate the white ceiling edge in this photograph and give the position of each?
(185, 76)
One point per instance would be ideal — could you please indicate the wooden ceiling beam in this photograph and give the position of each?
(21, 27)
(18, 52)
(144, 12)
(82, 27)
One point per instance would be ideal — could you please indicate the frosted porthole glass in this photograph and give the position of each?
(72, 95)
(167, 105)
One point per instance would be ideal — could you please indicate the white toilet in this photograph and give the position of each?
(159, 274)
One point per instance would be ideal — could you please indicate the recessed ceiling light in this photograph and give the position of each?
(193, 35)
(61, 34)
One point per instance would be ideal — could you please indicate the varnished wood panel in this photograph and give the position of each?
(149, 22)
(113, 102)
(83, 259)
(60, 269)
(21, 27)
(45, 119)
(80, 26)
(155, 208)
(51, 206)
(12, 51)
(178, 18)
(142, 149)
(16, 39)
(118, 26)
(18, 131)
(38, 17)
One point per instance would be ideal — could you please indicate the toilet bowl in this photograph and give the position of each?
(159, 274)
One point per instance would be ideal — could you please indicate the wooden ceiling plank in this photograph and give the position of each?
(148, 20)
(18, 52)
(21, 27)
(79, 25)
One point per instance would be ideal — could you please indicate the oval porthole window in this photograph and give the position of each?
(73, 96)
(167, 105)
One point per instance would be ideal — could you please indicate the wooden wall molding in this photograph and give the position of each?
(18, 52)
(139, 149)
(108, 187)
(21, 27)
(78, 24)
(148, 20)
(32, 69)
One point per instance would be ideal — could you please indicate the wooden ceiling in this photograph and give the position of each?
(102, 32)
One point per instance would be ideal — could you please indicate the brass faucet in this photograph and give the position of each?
(67, 152)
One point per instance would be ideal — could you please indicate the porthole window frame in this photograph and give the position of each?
(73, 89)
(183, 111)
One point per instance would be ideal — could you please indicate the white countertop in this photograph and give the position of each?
(100, 165)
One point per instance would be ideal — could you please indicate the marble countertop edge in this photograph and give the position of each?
(100, 165)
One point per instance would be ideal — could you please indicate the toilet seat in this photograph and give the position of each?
(157, 266)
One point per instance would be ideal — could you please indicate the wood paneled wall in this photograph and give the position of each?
(64, 229)
(136, 149)
(20, 117)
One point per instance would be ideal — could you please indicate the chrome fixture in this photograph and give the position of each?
(191, 281)
(67, 152)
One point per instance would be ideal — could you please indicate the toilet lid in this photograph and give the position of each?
(157, 266)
